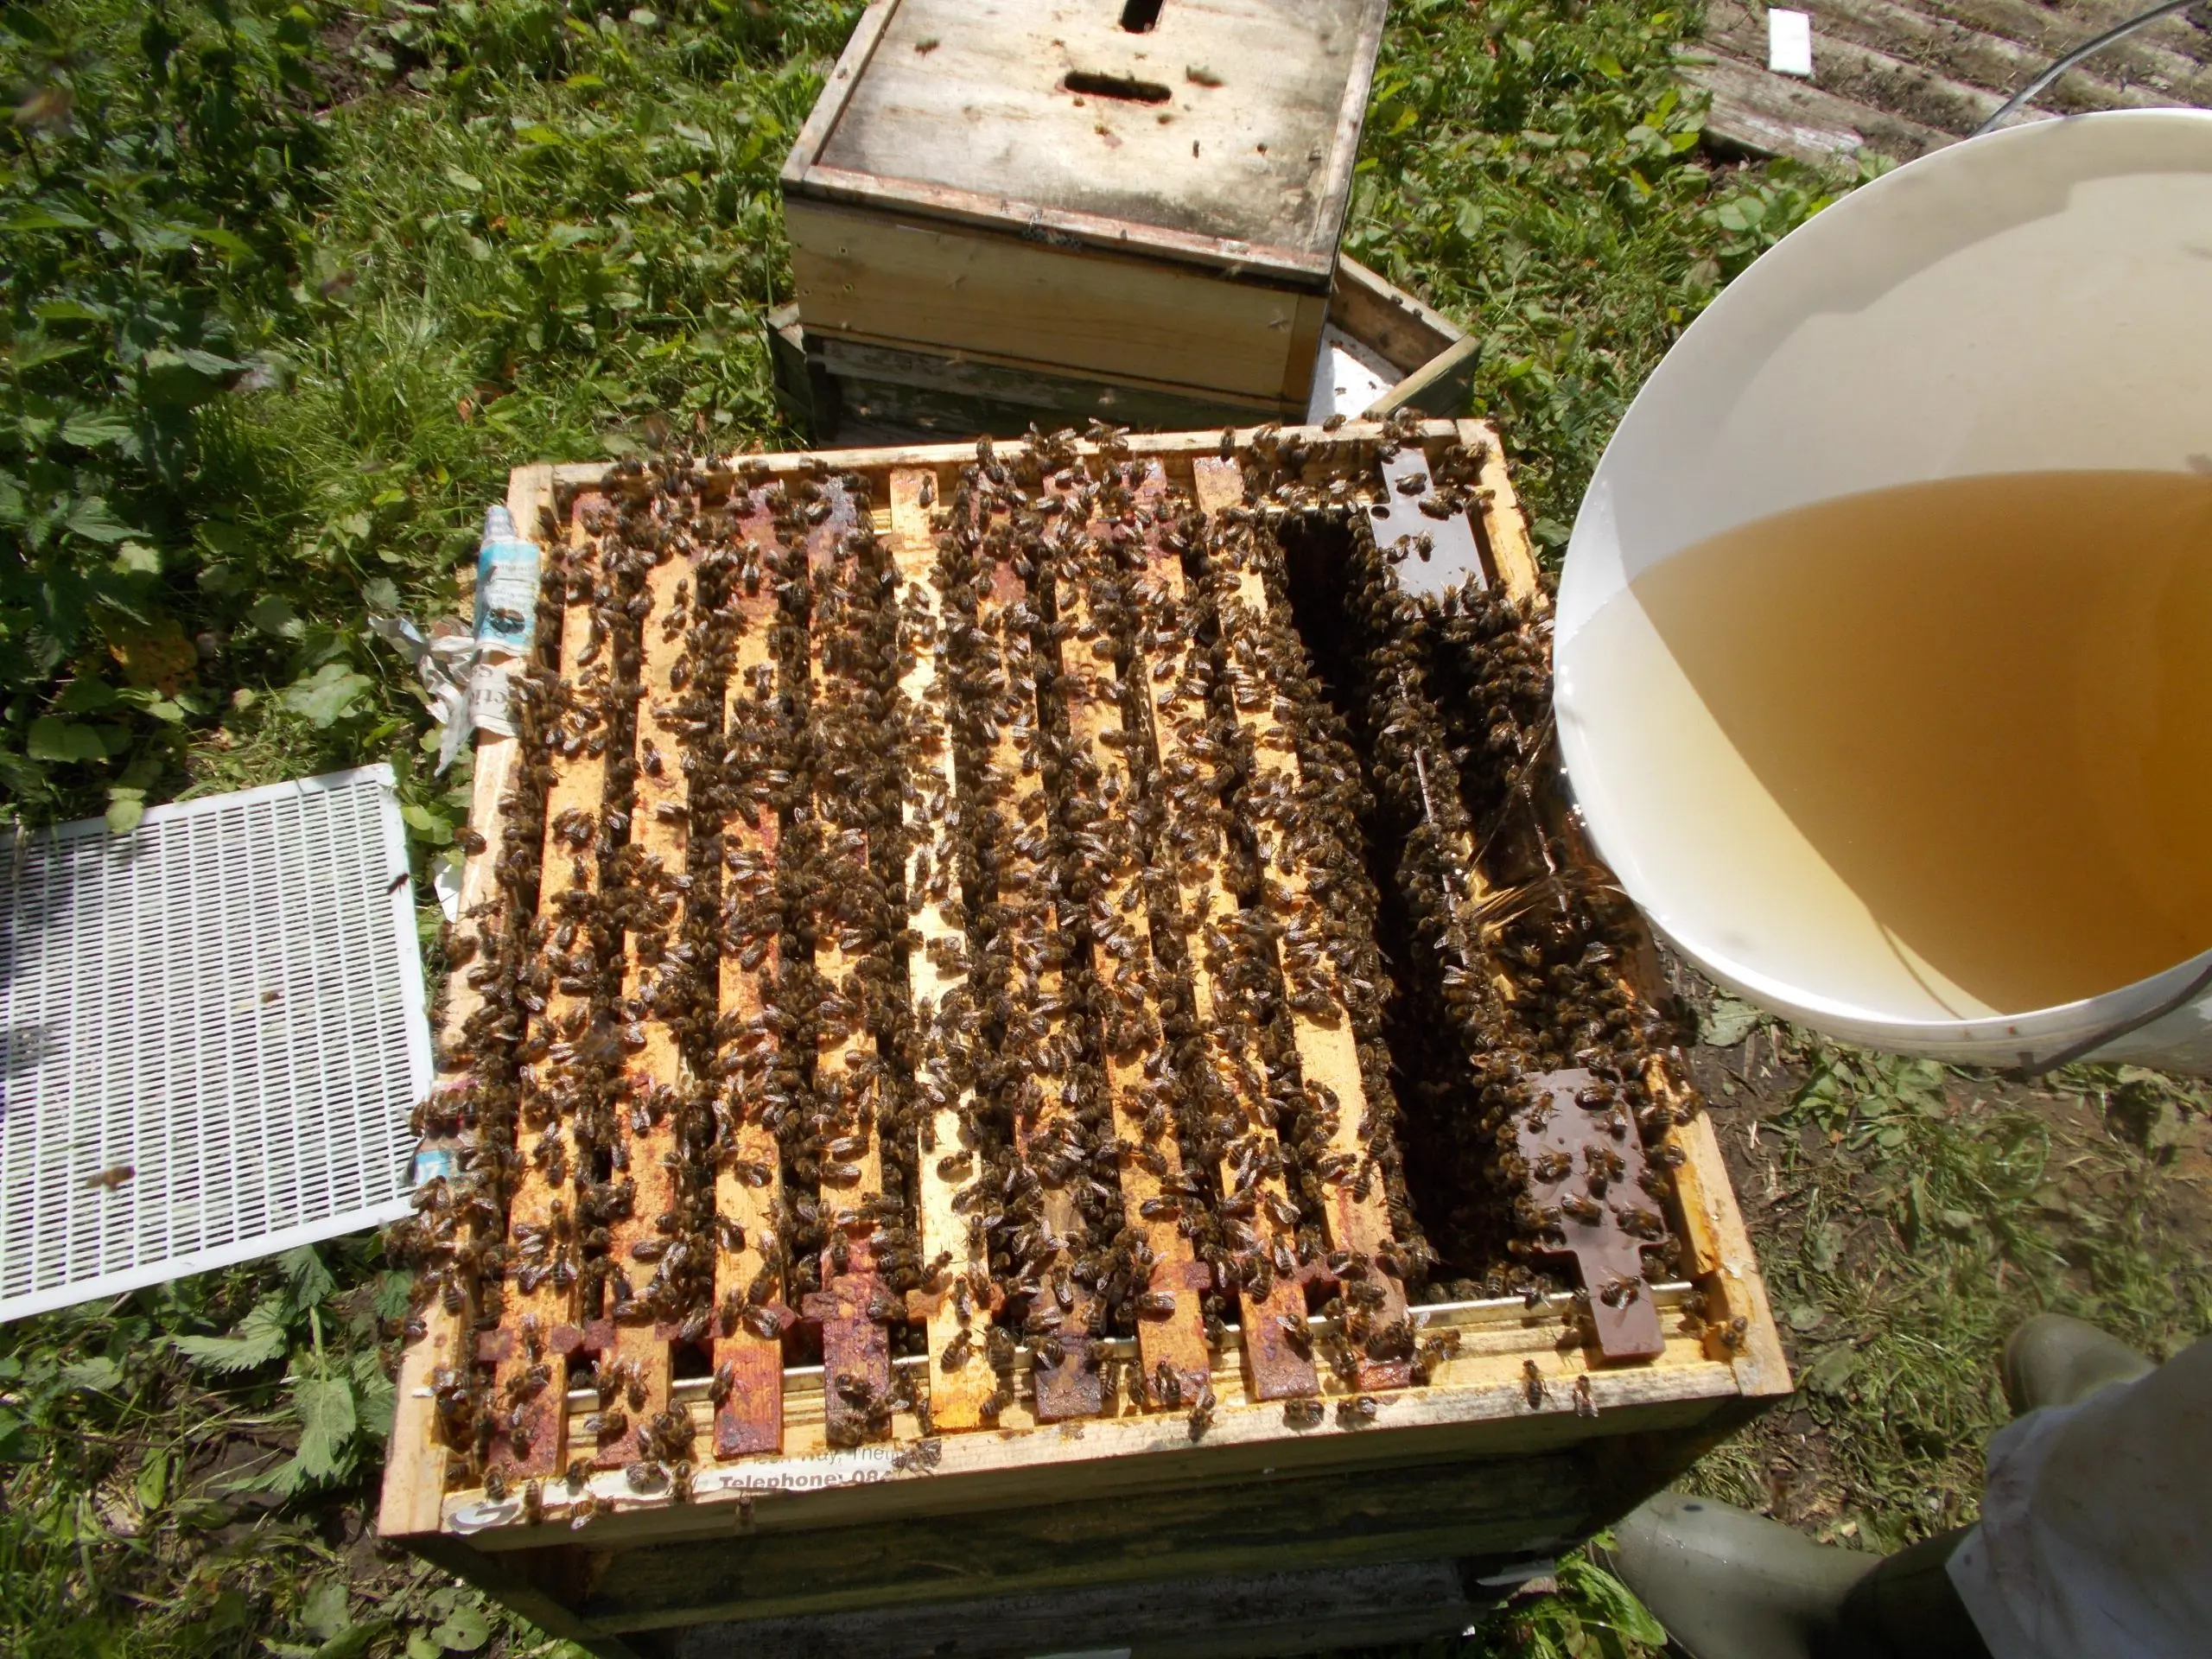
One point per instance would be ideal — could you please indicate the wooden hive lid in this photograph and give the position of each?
(1236, 150)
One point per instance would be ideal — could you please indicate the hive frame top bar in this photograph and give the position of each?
(568, 475)
(907, 57)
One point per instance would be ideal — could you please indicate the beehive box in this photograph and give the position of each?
(1148, 194)
(1032, 1020)
(1381, 349)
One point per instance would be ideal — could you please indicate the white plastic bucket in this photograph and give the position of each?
(2035, 301)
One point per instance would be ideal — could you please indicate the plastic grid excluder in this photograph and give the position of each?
(227, 1002)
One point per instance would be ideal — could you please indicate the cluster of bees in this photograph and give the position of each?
(1029, 828)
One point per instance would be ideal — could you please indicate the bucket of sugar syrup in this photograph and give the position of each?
(1883, 640)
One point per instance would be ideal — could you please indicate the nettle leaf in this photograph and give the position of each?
(99, 1374)
(53, 738)
(325, 1406)
(90, 429)
(463, 1630)
(34, 349)
(93, 519)
(86, 695)
(68, 310)
(153, 1483)
(329, 695)
(322, 1610)
(373, 1396)
(1727, 1022)
(173, 380)
(310, 1280)
(261, 1336)
(274, 614)
(45, 216)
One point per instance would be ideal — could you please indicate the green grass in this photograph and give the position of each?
(287, 289)
(1922, 1212)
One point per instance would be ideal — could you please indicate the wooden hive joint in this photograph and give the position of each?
(853, 851)
(1025, 968)
(651, 657)
(1092, 548)
(1222, 956)
(1356, 1216)
(750, 1309)
(956, 1300)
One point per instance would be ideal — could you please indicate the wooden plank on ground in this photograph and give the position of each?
(538, 1327)
(1921, 35)
(1357, 1217)
(748, 1350)
(1171, 1332)
(1930, 91)
(2168, 56)
(1775, 115)
(655, 1076)
(1176, 667)
(960, 1381)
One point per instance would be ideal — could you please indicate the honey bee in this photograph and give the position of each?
(1201, 1409)
(1357, 1412)
(1167, 1387)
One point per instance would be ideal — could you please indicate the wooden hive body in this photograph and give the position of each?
(817, 1487)
(1172, 229)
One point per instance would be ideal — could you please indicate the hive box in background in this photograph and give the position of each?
(1146, 195)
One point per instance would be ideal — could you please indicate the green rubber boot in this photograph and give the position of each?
(2052, 1360)
(1731, 1585)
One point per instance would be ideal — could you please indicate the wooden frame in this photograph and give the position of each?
(978, 229)
(1517, 1444)
(844, 390)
